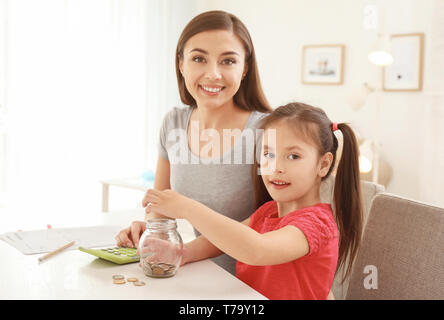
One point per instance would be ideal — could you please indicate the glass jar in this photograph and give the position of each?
(160, 248)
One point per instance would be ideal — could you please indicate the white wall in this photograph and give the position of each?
(409, 121)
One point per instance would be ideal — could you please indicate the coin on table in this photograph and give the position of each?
(139, 283)
(132, 279)
(119, 281)
(118, 277)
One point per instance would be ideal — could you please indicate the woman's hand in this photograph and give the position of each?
(159, 251)
(130, 236)
(168, 203)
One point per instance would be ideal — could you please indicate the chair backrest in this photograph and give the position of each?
(369, 190)
(402, 252)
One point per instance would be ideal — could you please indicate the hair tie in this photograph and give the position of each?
(334, 126)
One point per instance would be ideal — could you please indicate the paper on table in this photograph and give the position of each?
(40, 241)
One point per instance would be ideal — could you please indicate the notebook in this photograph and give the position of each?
(40, 241)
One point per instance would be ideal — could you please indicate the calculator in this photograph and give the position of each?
(114, 254)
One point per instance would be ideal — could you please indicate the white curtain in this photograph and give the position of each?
(85, 84)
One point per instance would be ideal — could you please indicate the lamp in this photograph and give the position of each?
(373, 19)
(359, 96)
(365, 156)
(381, 54)
(366, 160)
(372, 166)
(382, 173)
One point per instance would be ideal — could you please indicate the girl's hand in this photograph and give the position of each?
(168, 203)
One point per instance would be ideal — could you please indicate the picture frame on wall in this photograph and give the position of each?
(406, 72)
(323, 64)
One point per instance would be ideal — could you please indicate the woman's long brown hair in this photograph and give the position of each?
(317, 127)
(250, 95)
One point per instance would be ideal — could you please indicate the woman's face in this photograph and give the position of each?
(213, 66)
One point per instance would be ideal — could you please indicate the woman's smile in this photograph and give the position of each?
(211, 90)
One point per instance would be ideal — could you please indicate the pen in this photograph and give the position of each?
(56, 251)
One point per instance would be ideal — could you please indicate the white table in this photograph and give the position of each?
(129, 183)
(76, 275)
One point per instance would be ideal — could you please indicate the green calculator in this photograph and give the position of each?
(114, 254)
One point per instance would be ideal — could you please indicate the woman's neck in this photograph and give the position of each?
(223, 117)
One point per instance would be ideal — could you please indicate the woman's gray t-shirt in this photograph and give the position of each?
(223, 184)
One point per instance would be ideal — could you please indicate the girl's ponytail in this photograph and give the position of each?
(347, 197)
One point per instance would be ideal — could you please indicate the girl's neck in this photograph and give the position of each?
(308, 200)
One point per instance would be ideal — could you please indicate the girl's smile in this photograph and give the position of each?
(279, 184)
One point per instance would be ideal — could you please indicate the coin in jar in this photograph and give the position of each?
(158, 271)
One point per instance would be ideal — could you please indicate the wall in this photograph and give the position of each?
(409, 130)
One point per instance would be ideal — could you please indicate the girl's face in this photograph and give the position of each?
(290, 165)
(213, 66)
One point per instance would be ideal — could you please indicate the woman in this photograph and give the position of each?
(219, 82)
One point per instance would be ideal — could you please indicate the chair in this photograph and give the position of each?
(368, 191)
(403, 246)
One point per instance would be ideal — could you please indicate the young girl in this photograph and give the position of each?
(291, 246)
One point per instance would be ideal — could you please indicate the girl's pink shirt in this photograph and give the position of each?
(307, 278)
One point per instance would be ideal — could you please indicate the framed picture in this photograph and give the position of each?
(323, 64)
(405, 74)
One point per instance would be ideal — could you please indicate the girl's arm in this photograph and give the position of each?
(161, 182)
(245, 244)
(234, 238)
(129, 237)
(200, 248)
